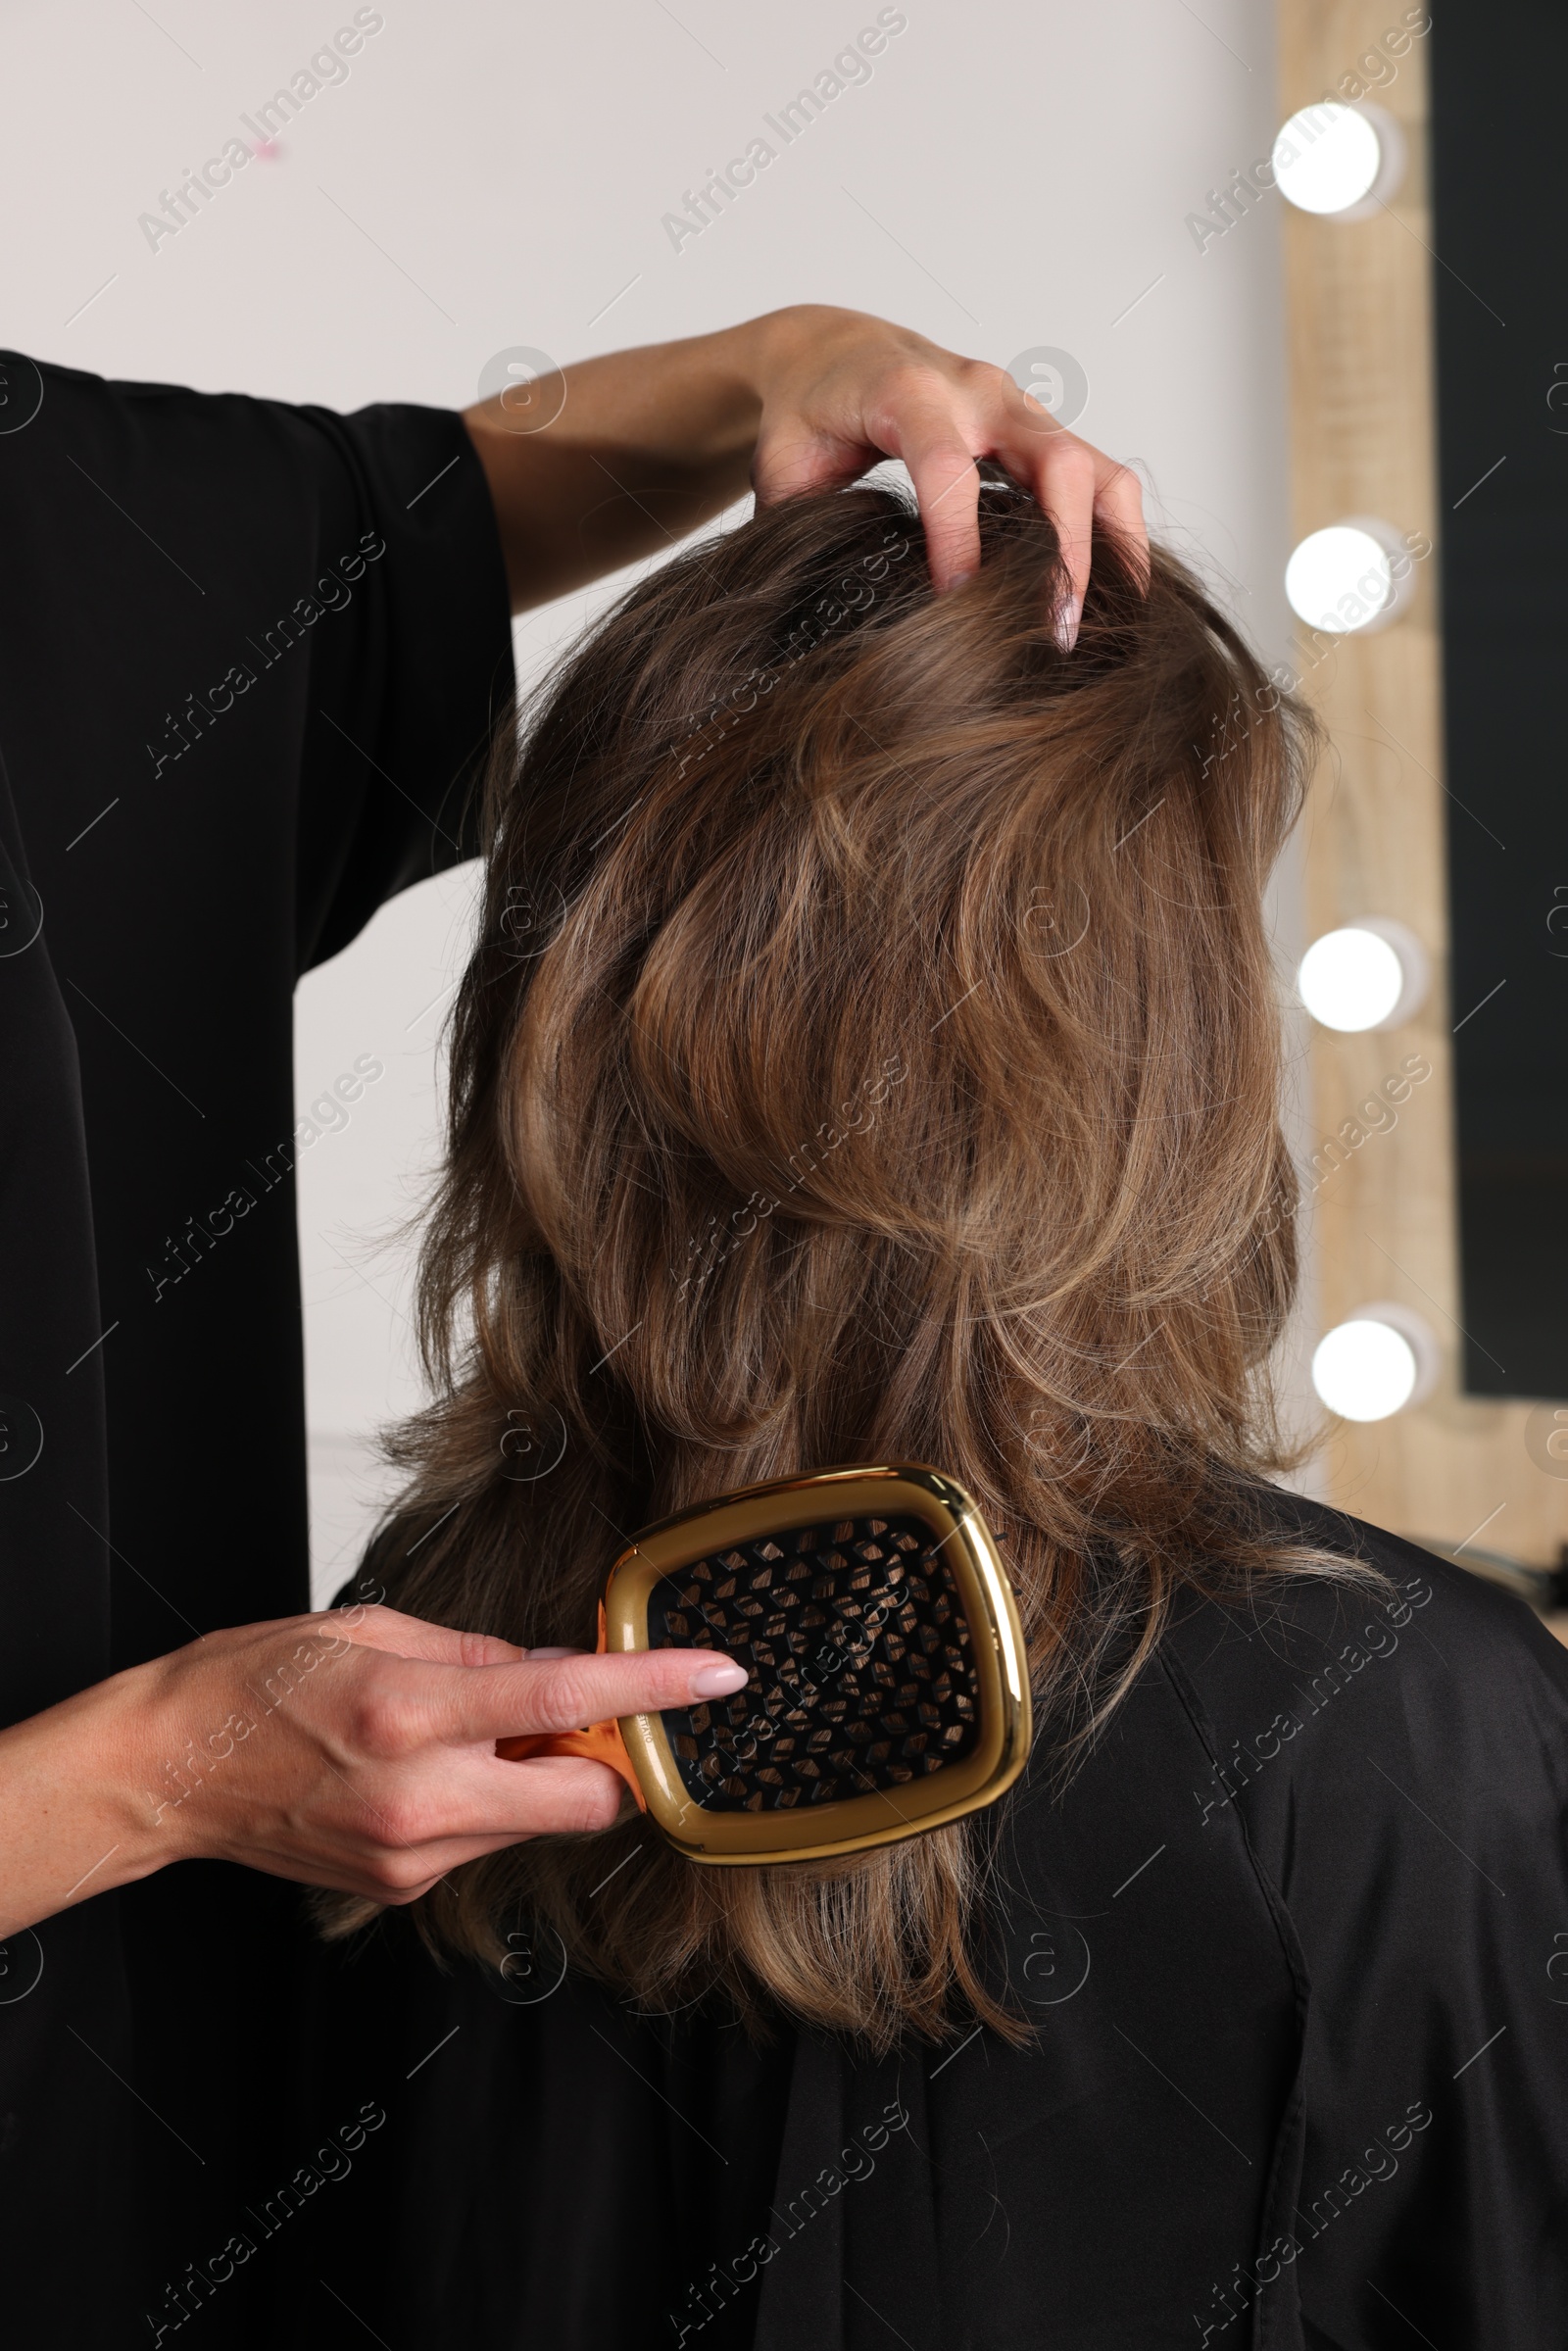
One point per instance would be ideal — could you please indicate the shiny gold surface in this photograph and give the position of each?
(900, 1489)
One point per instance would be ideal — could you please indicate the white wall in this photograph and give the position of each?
(493, 174)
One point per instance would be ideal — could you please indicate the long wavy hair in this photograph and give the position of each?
(870, 1051)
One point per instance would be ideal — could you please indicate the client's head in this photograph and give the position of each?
(870, 1053)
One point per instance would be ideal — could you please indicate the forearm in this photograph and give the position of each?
(73, 1817)
(647, 444)
(366, 1764)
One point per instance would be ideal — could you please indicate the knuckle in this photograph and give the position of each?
(990, 380)
(399, 1877)
(322, 1634)
(402, 1821)
(480, 1649)
(1071, 459)
(946, 456)
(382, 1721)
(564, 1696)
(913, 397)
(585, 1800)
(597, 1807)
(916, 380)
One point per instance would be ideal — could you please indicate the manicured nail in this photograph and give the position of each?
(1067, 621)
(720, 1680)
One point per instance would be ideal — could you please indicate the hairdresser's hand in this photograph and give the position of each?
(354, 1749)
(841, 390)
(615, 458)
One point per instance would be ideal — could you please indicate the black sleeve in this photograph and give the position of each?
(250, 654)
(406, 695)
(299, 619)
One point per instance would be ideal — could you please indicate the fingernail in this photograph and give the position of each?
(718, 1681)
(1067, 621)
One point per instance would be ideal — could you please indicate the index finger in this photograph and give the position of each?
(566, 1693)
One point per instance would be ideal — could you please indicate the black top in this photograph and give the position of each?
(248, 654)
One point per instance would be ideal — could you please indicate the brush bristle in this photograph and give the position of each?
(860, 1660)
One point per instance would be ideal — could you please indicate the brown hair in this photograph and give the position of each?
(870, 1051)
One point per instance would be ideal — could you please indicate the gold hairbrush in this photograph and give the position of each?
(887, 1688)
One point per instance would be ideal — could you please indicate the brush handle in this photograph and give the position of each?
(600, 1743)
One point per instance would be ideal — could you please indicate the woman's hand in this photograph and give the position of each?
(354, 1749)
(614, 457)
(839, 390)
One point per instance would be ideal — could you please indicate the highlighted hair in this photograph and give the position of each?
(871, 1051)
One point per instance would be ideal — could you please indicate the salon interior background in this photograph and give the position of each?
(480, 176)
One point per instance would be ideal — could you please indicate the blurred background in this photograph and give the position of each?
(1010, 179)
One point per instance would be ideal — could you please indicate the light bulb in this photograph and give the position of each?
(1341, 162)
(1354, 575)
(1381, 1361)
(1370, 975)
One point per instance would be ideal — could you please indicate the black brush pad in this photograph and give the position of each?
(860, 1661)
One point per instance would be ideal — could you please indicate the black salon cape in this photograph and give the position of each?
(1295, 1946)
(249, 656)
